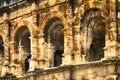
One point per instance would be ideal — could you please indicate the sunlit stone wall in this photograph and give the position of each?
(60, 40)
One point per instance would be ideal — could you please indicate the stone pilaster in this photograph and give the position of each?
(12, 52)
(34, 39)
(6, 44)
(34, 52)
(34, 11)
(68, 47)
(34, 36)
(76, 46)
(35, 17)
(43, 61)
(112, 48)
(12, 57)
(5, 68)
(67, 58)
(76, 36)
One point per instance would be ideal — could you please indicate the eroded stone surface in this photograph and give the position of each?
(59, 39)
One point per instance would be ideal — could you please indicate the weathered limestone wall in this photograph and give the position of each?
(89, 71)
(79, 19)
(95, 71)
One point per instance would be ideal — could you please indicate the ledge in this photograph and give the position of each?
(62, 69)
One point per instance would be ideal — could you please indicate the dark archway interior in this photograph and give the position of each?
(98, 42)
(54, 34)
(1, 50)
(27, 63)
(93, 32)
(22, 40)
(57, 39)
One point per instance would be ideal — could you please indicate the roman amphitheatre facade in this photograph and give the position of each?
(59, 40)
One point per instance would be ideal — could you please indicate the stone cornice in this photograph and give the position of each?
(64, 68)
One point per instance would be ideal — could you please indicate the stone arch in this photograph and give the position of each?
(92, 33)
(54, 37)
(22, 33)
(21, 23)
(22, 47)
(49, 16)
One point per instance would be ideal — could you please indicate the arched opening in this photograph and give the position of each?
(1, 53)
(92, 35)
(98, 43)
(22, 47)
(55, 36)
